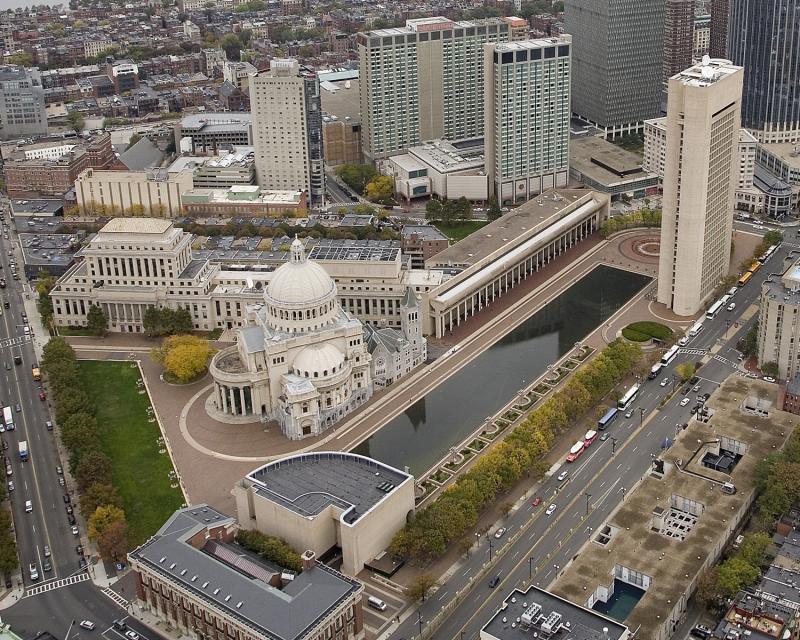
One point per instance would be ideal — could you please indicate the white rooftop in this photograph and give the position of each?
(707, 72)
(137, 225)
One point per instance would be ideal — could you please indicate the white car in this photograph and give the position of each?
(75, 531)
(665, 382)
(684, 402)
(28, 506)
(683, 342)
(87, 624)
(563, 476)
(500, 532)
(768, 379)
(551, 509)
(731, 306)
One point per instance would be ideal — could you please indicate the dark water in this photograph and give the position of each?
(420, 436)
(620, 605)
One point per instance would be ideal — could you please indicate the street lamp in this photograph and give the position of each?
(641, 414)
(419, 622)
(613, 445)
(530, 569)
(490, 548)
(674, 379)
(588, 497)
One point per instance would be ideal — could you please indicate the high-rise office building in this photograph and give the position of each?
(425, 81)
(287, 129)
(22, 111)
(527, 115)
(617, 49)
(700, 175)
(718, 47)
(765, 40)
(678, 36)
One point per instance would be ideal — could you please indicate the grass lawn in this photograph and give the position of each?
(460, 230)
(140, 472)
(649, 330)
(74, 331)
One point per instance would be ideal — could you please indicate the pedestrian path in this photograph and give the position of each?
(694, 352)
(14, 342)
(122, 602)
(725, 360)
(56, 584)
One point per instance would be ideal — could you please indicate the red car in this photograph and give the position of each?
(536, 501)
(42, 396)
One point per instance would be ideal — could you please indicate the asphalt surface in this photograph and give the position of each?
(596, 484)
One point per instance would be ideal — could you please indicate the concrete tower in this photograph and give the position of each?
(700, 173)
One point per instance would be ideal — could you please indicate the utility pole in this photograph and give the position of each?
(641, 413)
(588, 497)
(419, 622)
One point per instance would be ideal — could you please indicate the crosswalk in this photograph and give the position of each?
(56, 584)
(694, 352)
(122, 602)
(725, 360)
(14, 342)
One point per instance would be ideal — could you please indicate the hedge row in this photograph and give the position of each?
(523, 451)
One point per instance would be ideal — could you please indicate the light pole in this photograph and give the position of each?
(588, 497)
(490, 548)
(419, 622)
(727, 326)
(641, 415)
(530, 569)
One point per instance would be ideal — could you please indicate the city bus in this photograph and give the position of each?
(576, 451)
(714, 309)
(589, 438)
(669, 356)
(607, 419)
(654, 371)
(745, 278)
(696, 328)
(630, 395)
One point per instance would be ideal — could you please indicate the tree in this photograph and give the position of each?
(97, 495)
(232, 45)
(22, 58)
(733, 575)
(271, 548)
(186, 357)
(494, 211)
(44, 285)
(749, 344)
(93, 468)
(134, 139)
(420, 587)
(96, 320)
(76, 121)
(685, 370)
(463, 209)
(381, 190)
(449, 212)
(355, 176)
(433, 210)
(109, 529)
(770, 369)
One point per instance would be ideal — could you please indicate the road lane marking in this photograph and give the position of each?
(55, 584)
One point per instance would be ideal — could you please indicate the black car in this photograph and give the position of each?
(9, 584)
(494, 582)
(71, 519)
(67, 499)
(69, 509)
(79, 549)
(701, 631)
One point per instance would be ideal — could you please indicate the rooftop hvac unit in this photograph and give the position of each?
(531, 613)
(551, 624)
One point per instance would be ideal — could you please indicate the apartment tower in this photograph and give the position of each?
(678, 36)
(764, 38)
(527, 115)
(425, 81)
(22, 111)
(718, 47)
(617, 51)
(700, 174)
(287, 129)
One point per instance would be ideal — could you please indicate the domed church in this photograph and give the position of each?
(300, 360)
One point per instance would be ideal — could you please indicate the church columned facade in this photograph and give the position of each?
(300, 359)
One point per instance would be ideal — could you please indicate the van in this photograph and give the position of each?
(731, 306)
(729, 488)
(376, 603)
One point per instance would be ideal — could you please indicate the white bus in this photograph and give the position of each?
(669, 356)
(654, 371)
(714, 309)
(696, 328)
(630, 395)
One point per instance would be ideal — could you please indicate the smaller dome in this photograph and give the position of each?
(322, 360)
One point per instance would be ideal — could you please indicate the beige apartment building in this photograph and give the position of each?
(425, 81)
(700, 176)
(153, 192)
(287, 129)
(778, 329)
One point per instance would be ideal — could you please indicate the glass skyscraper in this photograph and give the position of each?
(764, 38)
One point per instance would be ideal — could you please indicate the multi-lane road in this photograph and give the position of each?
(536, 547)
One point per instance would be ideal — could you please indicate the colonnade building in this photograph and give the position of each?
(505, 252)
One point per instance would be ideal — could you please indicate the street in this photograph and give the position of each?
(536, 547)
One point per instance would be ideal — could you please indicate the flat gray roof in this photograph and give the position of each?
(425, 231)
(308, 483)
(605, 162)
(360, 253)
(584, 624)
(234, 583)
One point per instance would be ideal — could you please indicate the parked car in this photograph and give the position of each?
(67, 499)
(59, 470)
(49, 425)
(42, 396)
(47, 566)
(131, 635)
(79, 549)
(701, 631)
(46, 551)
(18, 407)
(768, 379)
(684, 402)
(88, 625)
(69, 509)
(665, 382)
(75, 531)
(10, 485)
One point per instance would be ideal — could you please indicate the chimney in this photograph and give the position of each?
(309, 558)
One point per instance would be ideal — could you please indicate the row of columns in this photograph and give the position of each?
(236, 401)
(467, 307)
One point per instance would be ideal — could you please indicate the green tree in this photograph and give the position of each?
(449, 212)
(463, 209)
(685, 370)
(76, 121)
(380, 189)
(22, 58)
(356, 176)
(109, 529)
(93, 468)
(733, 575)
(754, 547)
(494, 211)
(97, 495)
(271, 548)
(96, 320)
(232, 45)
(749, 344)
(770, 369)
(433, 210)
(421, 586)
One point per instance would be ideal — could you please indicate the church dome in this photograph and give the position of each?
(299, 281)
(318, 361)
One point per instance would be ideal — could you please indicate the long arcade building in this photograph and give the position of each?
(505, 252)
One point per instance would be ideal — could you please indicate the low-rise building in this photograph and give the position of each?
(243, 200)
(539, 613)
(653, 550)
(192, 576)
(236, 167)
(782, 159)
(238, 73)
(151, 192)
(52, 252)
(210, 132)
(50, 168)
(608, 168)
(320, 501)
(791, 396)
(442, 168)
(420, 242)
